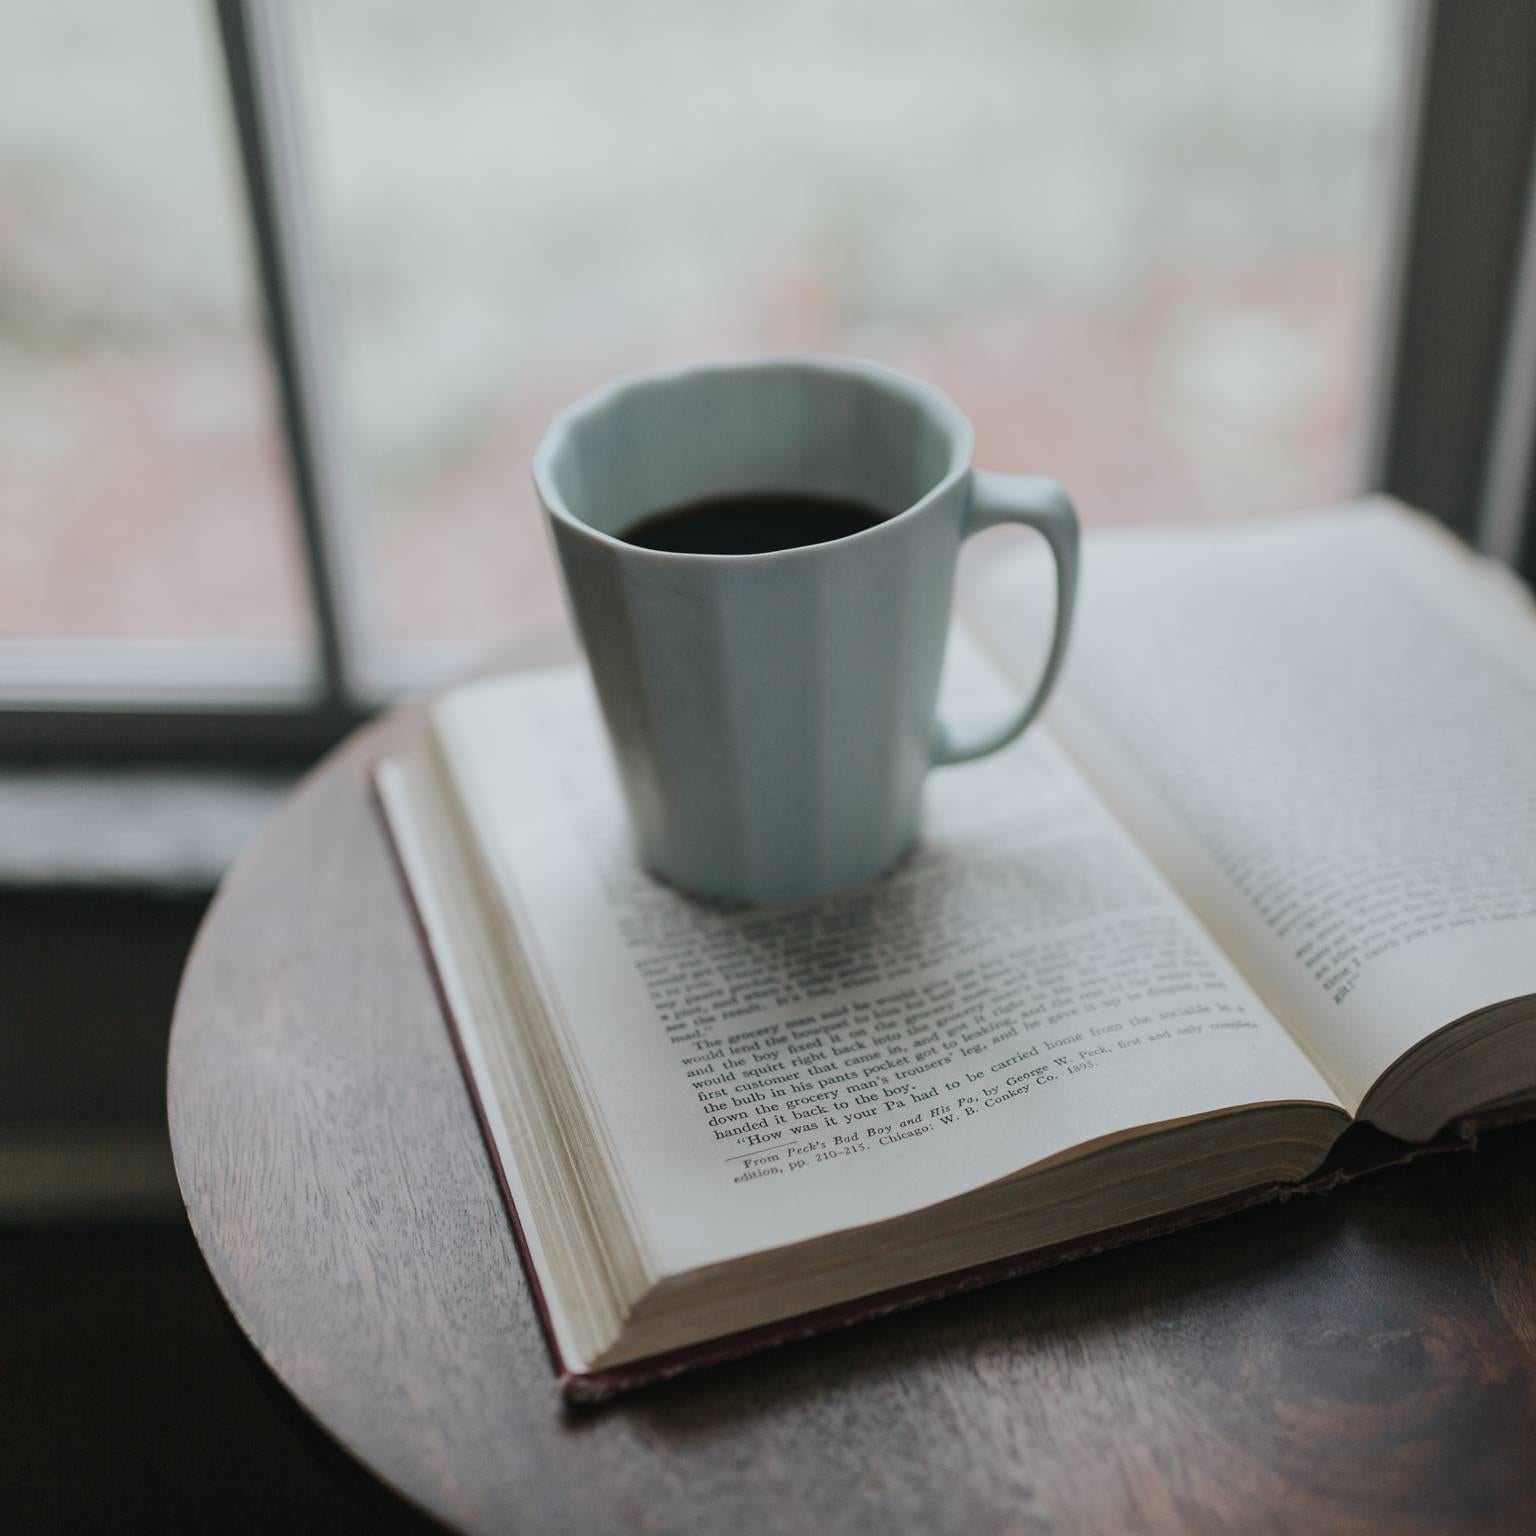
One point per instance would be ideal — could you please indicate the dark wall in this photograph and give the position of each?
(129, 1401)
(87, 985)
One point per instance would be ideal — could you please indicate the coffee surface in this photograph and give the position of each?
(754, 523)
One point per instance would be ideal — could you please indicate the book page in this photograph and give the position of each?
(1324, 732)
(1024, 982)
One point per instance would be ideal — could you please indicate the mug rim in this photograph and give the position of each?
(930, 399)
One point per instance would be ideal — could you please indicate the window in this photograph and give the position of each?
(148, 534)
(1152, 250)
(1139, 245)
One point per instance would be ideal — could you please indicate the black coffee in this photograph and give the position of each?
(751, 524)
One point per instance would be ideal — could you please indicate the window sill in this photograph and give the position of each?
(144, 831)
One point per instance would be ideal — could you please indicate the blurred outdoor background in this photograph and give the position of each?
(1140, 244)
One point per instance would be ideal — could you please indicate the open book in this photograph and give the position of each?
(1269, 869)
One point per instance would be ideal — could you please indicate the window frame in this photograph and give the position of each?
(1452, 416)
(224, 702)
(1455, 408)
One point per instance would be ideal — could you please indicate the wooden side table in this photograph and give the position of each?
(1363, 1361)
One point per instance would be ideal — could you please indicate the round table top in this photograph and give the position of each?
(1363, 1360)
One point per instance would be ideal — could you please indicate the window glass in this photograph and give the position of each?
(1138, 244)
(143, 491)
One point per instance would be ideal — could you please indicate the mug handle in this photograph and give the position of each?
(1039, 503)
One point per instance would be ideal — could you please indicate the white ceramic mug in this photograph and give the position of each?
(772, 715)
